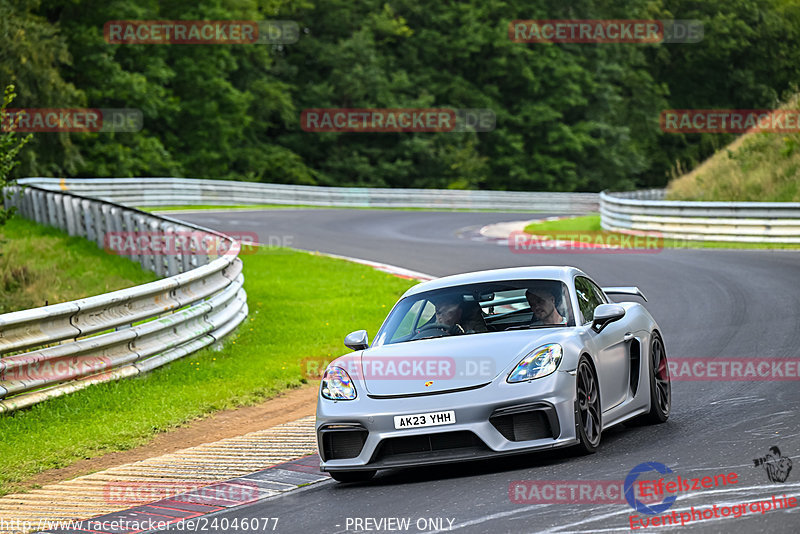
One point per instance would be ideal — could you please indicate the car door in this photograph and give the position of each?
(611, 351)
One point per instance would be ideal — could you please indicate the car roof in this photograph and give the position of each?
(563, 273)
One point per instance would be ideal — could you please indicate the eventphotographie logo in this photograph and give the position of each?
(777, 466)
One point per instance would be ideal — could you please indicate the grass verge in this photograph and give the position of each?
(40, 264)
(570, 228)
(757, 167)
(301, 306)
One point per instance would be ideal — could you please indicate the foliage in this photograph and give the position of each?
(757, 167)
(9, 148)
(569, 116)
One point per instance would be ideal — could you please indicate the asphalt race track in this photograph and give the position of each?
(709, 303)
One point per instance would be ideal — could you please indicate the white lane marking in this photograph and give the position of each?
(385, 267)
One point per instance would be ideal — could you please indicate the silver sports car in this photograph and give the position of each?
(491, 363)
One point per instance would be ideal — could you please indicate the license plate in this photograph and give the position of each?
(424, 419)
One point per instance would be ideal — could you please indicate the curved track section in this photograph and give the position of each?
(709, 303)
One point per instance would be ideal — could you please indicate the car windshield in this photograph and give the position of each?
(478, 308)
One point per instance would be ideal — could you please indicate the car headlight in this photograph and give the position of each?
(541, 362)
(337, 385)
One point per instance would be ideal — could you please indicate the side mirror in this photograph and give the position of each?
(605, 314)
(357, 340)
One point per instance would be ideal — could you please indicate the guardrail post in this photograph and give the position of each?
(160, 252)
(117, 221)
(61, 209)
(87, 219)
(80, 217)
(187, 258)
(171, 256)
(25, 203)
(61, 212)
(146, 260)
(69, 216)
(98, 219)
(124, 224)
(37, 201)
(50, 212)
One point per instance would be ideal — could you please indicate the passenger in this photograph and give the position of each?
(544, 300)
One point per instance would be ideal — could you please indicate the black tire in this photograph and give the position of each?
(660, 384)
(352, 476)
(588, 412)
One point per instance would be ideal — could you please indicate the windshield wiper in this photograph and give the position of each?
(532, 327)
(426, 337)
(437, 337)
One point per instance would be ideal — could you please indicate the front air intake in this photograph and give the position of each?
(526, 422)
(340, 442)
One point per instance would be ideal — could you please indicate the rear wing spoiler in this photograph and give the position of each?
(632, 290)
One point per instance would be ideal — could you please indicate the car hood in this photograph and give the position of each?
(445, 364)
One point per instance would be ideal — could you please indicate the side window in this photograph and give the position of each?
(599, 292)
(588, 298)
(406, 326)
(427, 313)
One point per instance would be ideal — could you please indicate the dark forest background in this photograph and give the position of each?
(570, 117)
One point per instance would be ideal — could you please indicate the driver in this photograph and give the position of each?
(451, 311)
(543, 300)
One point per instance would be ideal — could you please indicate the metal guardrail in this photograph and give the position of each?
(754, 222)
(185, 191)
(125, 332)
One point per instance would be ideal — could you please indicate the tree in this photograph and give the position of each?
(10, 146)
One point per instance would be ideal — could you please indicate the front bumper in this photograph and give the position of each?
(493, 420)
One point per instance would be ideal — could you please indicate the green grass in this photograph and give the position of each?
(40, 264)
(301, 306)
(591, 223)
(758, 167)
